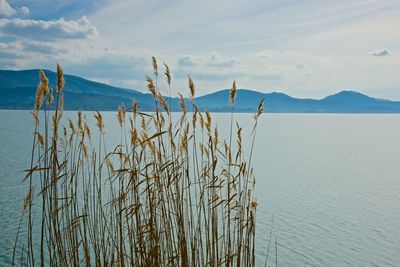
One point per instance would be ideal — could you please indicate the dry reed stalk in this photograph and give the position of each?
(169, 194)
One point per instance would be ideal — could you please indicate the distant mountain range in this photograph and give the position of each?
(17, 91)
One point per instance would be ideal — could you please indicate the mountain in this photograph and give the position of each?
(248, 101)
(17, 90)
(355, 102)
(342, 102)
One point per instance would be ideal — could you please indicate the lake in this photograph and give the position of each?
(327, 185)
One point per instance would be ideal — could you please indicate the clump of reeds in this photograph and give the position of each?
(170, 194)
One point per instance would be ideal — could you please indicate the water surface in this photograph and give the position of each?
(327, 185)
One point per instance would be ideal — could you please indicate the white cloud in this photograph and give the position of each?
(217, 60)
(212, 59)
(381, 53)
(24, 10)
(189, 61)
(10, 46)
(48, 30)
(6, 9)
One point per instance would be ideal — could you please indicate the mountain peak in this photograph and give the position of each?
(347, 95)
(350, 92)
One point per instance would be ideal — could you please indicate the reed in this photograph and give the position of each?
(171, 193)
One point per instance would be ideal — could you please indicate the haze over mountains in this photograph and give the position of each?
(17, 91)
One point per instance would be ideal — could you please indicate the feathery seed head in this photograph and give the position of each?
(134, 136)
(143, 124)
(50, 98)
(99, 119)
(135, 107)
(71, 126)
(182, 103)
(194, 119)
(150, 85)
(215, 137)
(201, 121)
(35, 116)
(208, 122)
(167, 74)
(60, 79)
(155, 67)
(233, 92)
(163, 103)
(121, 115)
(80, 124)
(84, 150)
(41, 90)
(192, 88)
(88, 131)
(40, 138)
(44, 83)
(260, 108)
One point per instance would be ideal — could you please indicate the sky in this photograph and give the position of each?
(308, 48)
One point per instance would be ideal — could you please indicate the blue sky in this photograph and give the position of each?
(308, 48)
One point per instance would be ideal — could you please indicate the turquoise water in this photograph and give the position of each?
(327, 185)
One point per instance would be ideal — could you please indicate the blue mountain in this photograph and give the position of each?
(17, 90)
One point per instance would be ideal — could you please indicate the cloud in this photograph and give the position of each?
(188, 61)
(227, 63)
(220, 62)
(209, 60)
(9, 46)
(24, 10)
(48, 30)
(43, 48)
(6, 9)
(381, 53)
(11, 50)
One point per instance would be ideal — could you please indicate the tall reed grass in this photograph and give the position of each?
(171, 193)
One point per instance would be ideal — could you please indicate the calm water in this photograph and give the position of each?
(327, 185)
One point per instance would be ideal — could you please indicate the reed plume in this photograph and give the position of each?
(192, 89)
(155, 66)
(60, 79)
(169, 193)
(151, 86)
(232, 94)
(168, 74)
